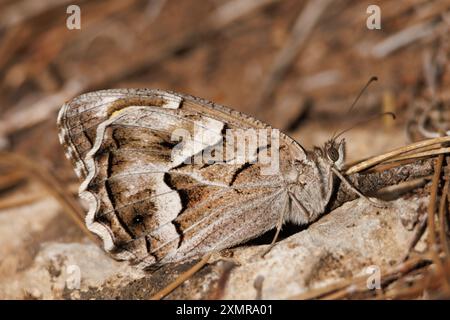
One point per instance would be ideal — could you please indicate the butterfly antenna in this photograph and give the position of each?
(366, 121)
(372, 79)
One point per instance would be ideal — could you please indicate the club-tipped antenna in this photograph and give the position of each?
(372, 79)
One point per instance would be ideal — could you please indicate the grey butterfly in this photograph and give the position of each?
(149, 200)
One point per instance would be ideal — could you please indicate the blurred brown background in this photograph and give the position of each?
(297, 65)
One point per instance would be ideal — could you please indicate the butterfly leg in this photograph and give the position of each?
(378, 204)
(278, 226)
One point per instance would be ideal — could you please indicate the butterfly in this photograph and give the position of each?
(152, 202)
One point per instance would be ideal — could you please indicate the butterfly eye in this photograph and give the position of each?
(333, 154)
(138, 219)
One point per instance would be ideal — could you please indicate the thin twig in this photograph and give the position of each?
(43, 176)
(433, 246)
(420, 230)
(403, 38)
(28, 117)
(11, 179)
(350, 285)
(301, 31)
(391, 154)
(422, 154)
(442, 219)
(181, 279)
(19, 201)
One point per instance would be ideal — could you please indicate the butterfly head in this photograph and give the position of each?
(334, 151)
